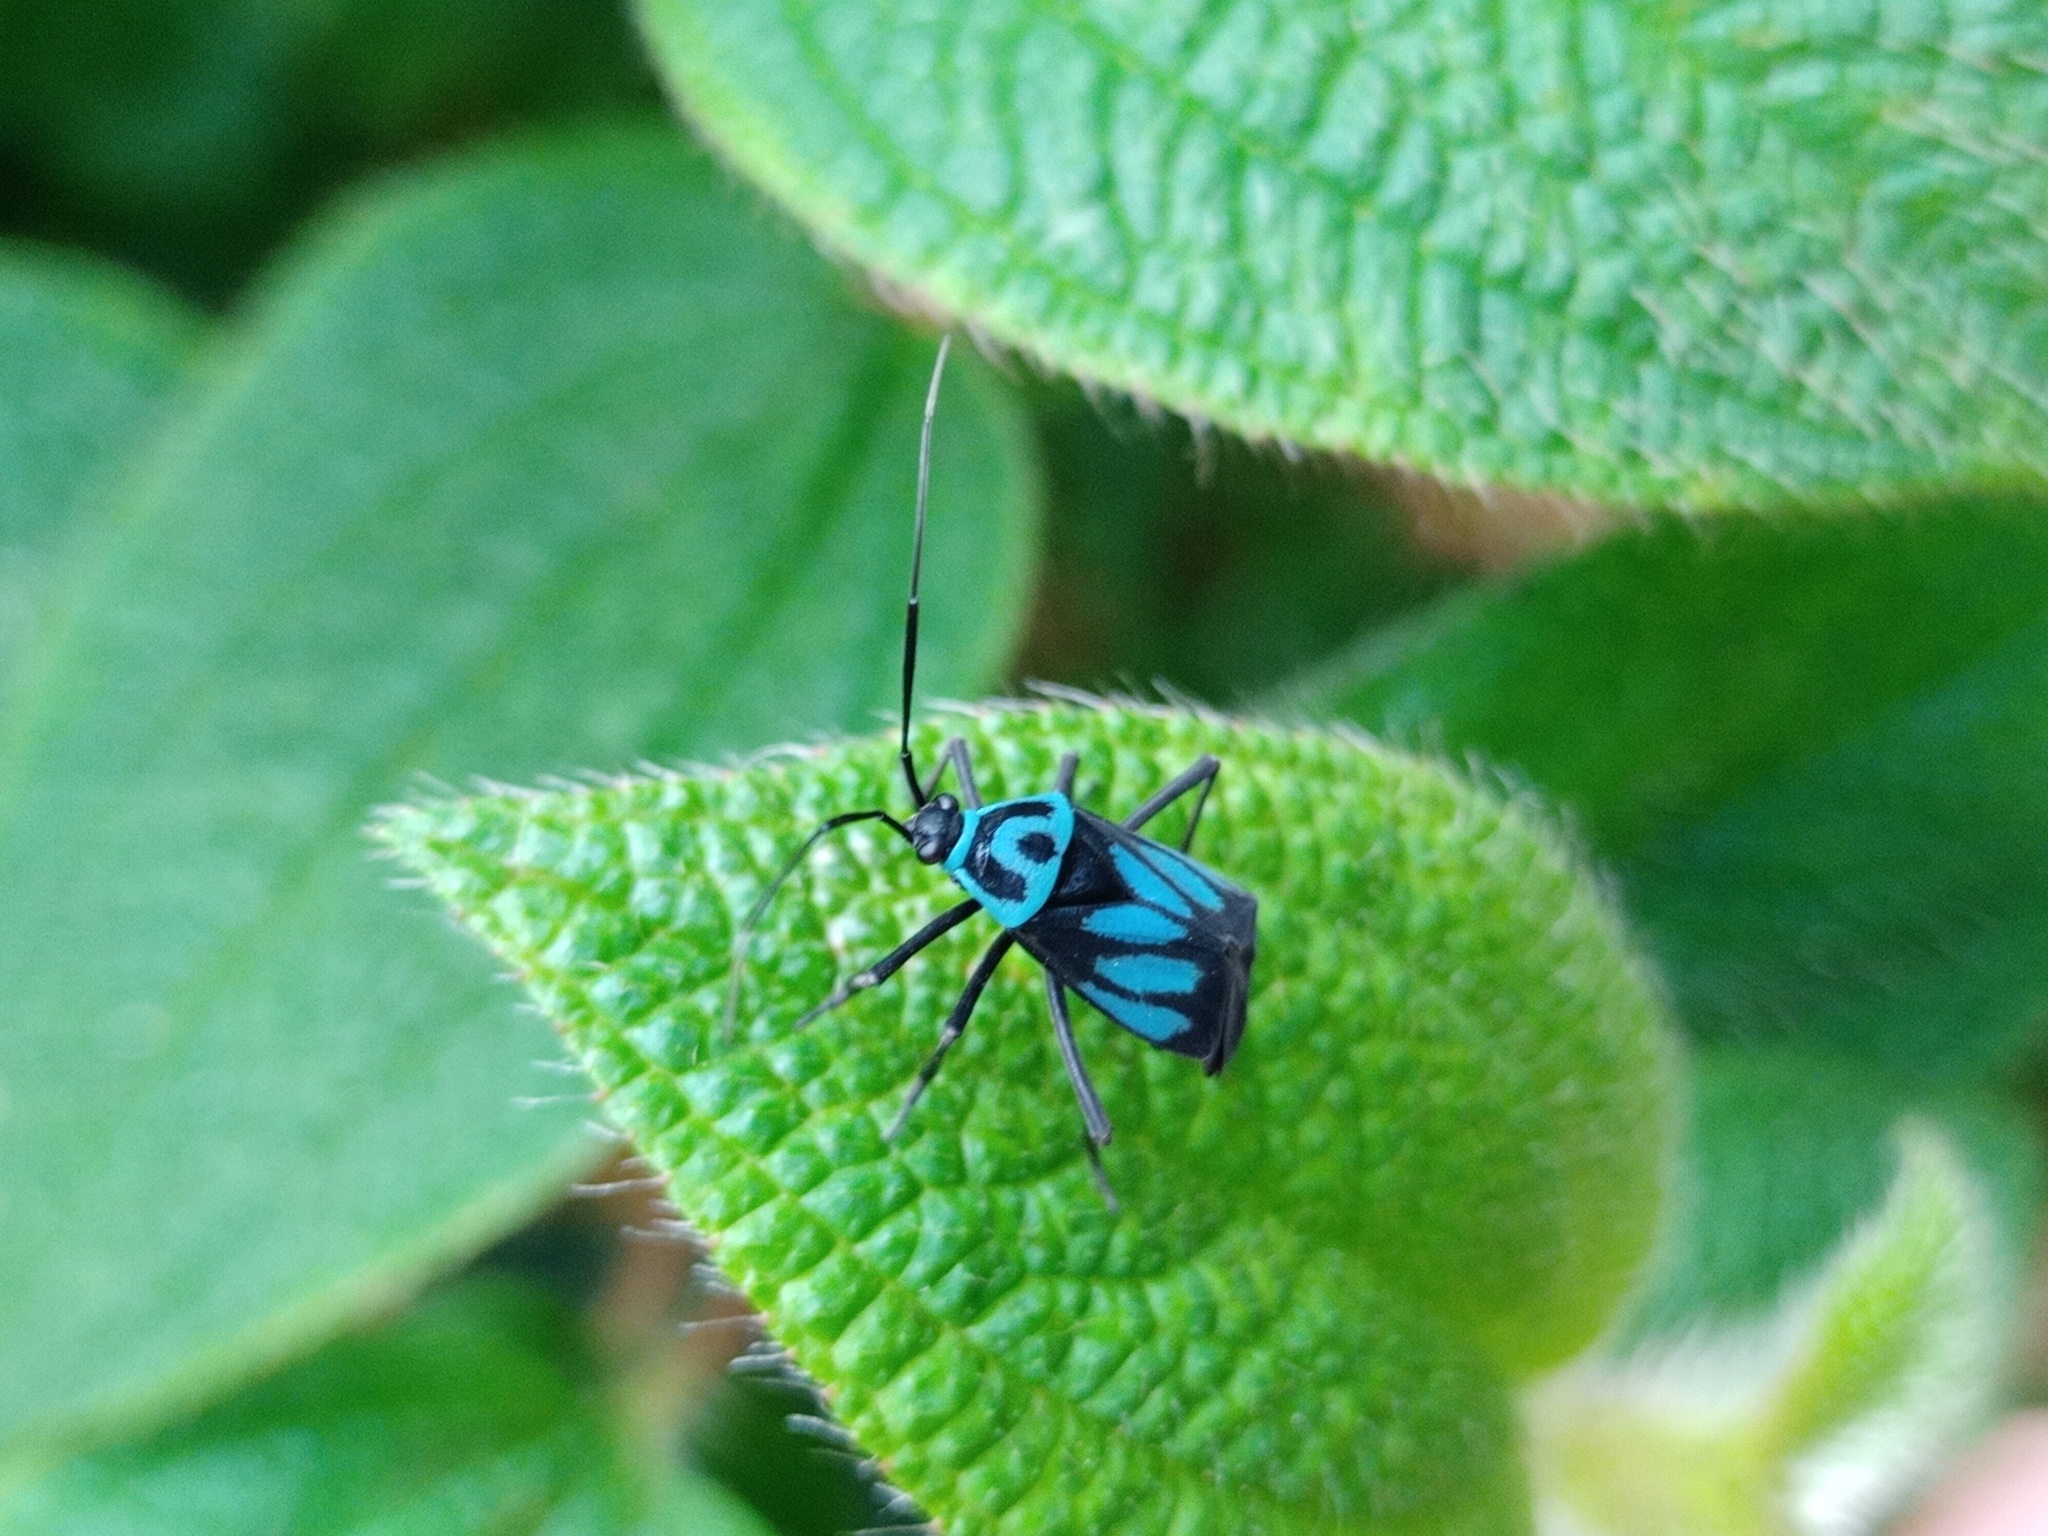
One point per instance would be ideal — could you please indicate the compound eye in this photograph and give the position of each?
(946, 803)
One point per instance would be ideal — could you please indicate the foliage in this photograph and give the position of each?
(979, 1315)
(1814, 749)
(193, 134)
(1862, 1380)
(565, 455)
(481, 1409)
(87, 354)
(1716, 254)
(1199, 559)
(1811, 1344)
(484, 440)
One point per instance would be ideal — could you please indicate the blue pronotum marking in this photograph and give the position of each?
(1048, 816)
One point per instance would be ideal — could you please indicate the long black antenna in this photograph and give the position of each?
(745, 931)
(924, 482)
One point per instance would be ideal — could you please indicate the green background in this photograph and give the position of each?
(395, 401)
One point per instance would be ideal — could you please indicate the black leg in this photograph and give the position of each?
(895, 960)
(1063, 1031)
(1092, 1113)
(963, 770)
(1202, 775)
(956, 1026)
(954, 755)
(1063, 781)
(745, 931)
(1101, 1176)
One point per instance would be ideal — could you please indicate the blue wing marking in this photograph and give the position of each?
(1149, 975)
(1149, 1020)
(1146, 882)
(1194, 881)
(1129, 923)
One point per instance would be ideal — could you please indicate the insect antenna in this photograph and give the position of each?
(759, 909)
(924, 483)
(745, 931)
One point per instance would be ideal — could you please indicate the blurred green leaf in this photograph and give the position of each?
(1830, 1313)
(556, 457)
(87, 355)
(1725, 252)
(191, 134)
(1787, 1151)
(1452, 1068)
(1202, 562)
(1816, 749)
(477, 1413)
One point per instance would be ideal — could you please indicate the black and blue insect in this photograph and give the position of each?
(1159, 943)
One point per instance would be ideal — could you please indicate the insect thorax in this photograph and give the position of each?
(1008, 854)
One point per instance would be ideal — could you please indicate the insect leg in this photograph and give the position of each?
(956, 1026)
(1063, 1031)
(745, 931)
(894, 961)
(955, 753)
(1063, 781)
(1101, 1176)
(1202, 775)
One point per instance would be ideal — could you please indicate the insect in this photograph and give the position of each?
(1160, 944)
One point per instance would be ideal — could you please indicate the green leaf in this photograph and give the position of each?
(553, 457)
(1214, 567)
(1724, 252)
(478, 1412)
(88, 354)
(193, 134)
(1788, 1151)
(758, 1433)
(1452, 1069)
(1816, 749)
(1830, 1315)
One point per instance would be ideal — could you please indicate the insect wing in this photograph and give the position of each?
(1153, 939)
